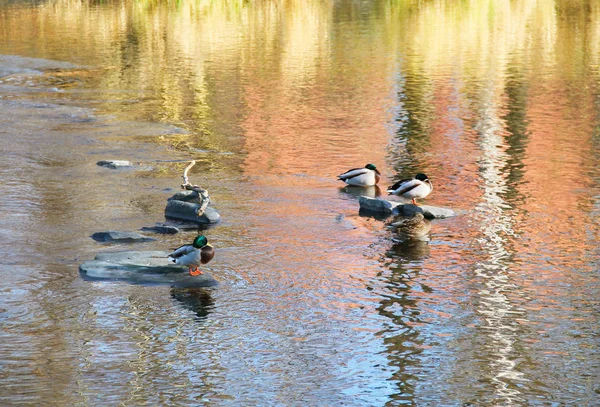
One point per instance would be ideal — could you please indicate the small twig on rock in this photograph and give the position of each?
(202, 193)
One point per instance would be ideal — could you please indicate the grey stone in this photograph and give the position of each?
(376, 206)
(430, 212)
(162, 229)
(188, 211)
(186, 196)
(142, 267)
(383, 208)
(120, 237)
(114, 164)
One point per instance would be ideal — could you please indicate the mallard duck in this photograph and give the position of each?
(413, 227)
(361, 177)
(195, 254)
(412, 188)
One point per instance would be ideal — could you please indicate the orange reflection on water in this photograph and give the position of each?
(306, 130)
(556, 176)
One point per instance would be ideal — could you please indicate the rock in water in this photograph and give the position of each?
(184, 206)
(384, 208)
(162, 229)
(114, 164)
(120, 237)
(430, 212)
(142, 267)
(374, 206)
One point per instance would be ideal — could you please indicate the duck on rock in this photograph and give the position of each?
(361, 177)
(412, 188)
(195, 254)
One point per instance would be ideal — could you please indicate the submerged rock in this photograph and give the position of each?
(162, 229)
(142, 267)
(120, 237)
(185, 206)
(384, 208)
(114, 164)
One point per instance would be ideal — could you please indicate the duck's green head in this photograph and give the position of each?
(200, 241)
(371, 167)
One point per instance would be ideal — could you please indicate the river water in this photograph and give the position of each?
(498, 102)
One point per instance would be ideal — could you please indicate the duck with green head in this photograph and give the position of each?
(193, 255)
(367, 176)
(412, 188)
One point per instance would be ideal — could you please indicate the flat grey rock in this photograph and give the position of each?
(384, 208)
(114, 164)
(120, 237)
(142, 267)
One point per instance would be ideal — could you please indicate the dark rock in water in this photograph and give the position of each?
(188, 211)
(376, 207)
(383, 208)
(162, 229)
(186, 196)
(430, 212)
(120, 237)
(142, 267)
(114, 164)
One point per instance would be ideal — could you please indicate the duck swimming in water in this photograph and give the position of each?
(195, 254)
(412, 188)
(361, 177)
(413, 227)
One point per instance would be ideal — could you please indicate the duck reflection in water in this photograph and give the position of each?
(372, 191)
(197, 300)
(409, 250)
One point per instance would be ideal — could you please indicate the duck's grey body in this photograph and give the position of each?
(195, 254)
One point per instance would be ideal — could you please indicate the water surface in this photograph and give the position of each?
(497, 103)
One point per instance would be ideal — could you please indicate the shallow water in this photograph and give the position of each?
(316, 305)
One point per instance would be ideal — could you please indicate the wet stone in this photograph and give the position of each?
(120, 237)
(383, 208)
(114, 164)
(162, 229)
(186, 196)
(142, 267)
(430, 212)
(184, 206)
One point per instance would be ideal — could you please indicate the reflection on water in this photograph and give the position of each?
(197, 300)
(400, 304)
(496, 102)
(371, 192)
